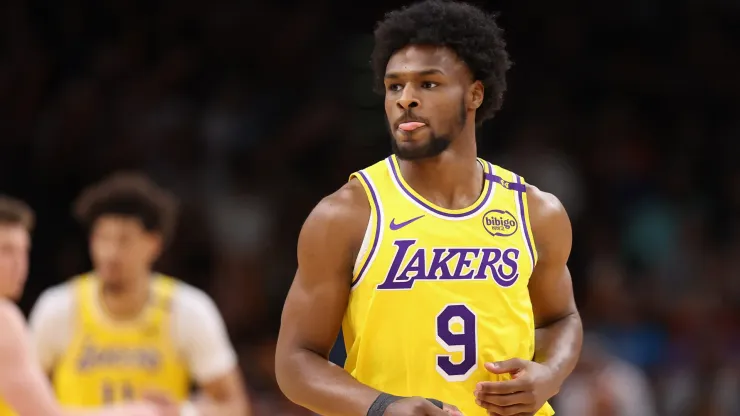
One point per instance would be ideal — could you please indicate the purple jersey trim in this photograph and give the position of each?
(524, 217)
(465, 213)
(378, 224)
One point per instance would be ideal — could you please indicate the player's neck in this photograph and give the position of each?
(452, 180)
(127, 302)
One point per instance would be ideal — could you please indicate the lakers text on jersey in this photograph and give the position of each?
(436, 292)
(112, 362)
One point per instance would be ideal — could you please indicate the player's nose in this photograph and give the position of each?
(408, 104)
(408, 100)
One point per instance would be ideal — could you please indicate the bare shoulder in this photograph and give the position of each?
(338, 219)
(344, 205)
(551, 226)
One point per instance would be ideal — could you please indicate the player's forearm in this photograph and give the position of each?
(235, 406)
(311, 381)
(558, 345)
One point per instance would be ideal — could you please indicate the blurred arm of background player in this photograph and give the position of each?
(327, 246)
(210, 356)
(558, 333)
(22, 382)
(199, 333)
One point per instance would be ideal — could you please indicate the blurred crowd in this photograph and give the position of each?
(252, 111)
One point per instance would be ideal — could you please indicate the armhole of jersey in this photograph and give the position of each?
(523, 208)
(373, 232)
(82, 302)
(165, 287)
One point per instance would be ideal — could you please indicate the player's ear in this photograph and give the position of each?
(476, 94)
(156, 245)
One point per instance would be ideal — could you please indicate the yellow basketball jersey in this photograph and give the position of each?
(111, 362)
(436, 293)
(5, 409)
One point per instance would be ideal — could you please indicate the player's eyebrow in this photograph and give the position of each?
(424, 72)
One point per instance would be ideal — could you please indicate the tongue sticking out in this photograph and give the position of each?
(411, 126)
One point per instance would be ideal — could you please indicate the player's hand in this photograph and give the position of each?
(164, 404)
(532, 384)
(133, 409)
(419, 406)
(451, 410)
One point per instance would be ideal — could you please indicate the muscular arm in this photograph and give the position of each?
(316, 304)
(558, 325)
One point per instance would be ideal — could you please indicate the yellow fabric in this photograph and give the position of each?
(435, 298)
(111, 362)
(5, 409)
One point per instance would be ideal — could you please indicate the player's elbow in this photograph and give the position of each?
(288, 369)
(284, 374)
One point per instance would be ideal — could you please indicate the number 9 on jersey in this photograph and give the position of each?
(457, 334)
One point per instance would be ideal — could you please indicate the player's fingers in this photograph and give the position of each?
(515, 410)
(154, 397)
(504, 387)
(508, 366)
(506, 399)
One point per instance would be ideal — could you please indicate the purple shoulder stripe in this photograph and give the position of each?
(523, 213)
(519, 187)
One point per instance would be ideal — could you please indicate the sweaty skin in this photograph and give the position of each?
(429, 85)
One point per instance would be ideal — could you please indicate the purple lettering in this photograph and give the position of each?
(439, 268)
(463, 261)
(488, 263)
(416, 269)
(449, 264)
(502, 277)
(391, 281)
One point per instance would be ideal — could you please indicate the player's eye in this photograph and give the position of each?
(395, 87)
(428, 84)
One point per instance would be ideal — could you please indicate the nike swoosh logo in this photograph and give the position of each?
(395, 226)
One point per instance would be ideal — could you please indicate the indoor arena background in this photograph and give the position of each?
(252, 111)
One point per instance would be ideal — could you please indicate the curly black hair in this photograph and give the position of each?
(129, 194)
(470, 32)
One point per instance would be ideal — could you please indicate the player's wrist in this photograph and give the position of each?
(437, 403)
(189, 409)
(381, 403)
(384, 400)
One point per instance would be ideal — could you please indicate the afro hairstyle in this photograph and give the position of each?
(467, 30)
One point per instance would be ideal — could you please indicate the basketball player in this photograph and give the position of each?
(123, 331)
(23, 388)
(447, 274)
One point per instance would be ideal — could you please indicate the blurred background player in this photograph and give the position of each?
(24, 390)
(123, 331)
